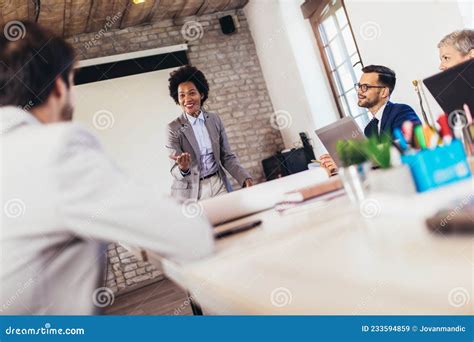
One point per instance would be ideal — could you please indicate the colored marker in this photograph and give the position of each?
(407, 130)
(420, 137)
(434, 141)
(428, 133)
(446, 134)
(467, 111)
(397, 133)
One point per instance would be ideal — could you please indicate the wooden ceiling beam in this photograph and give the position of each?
(214, 6)
(237, 4)
(14, 10)
(106, 14)
(34, 9)
(72, 17)
(52, 15)
(77, 13)
(137, 14)
(170, 9)
(191, 7)
(153, 11)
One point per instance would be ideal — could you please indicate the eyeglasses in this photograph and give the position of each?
(364, 87)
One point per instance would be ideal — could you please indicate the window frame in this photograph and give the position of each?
(317, 11)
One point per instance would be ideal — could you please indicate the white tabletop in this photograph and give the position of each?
(334, 257)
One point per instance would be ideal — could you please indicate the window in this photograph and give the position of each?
(339, 52)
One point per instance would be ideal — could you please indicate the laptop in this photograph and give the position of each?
(343, 129)
(453, 87)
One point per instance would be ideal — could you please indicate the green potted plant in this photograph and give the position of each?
(367, 164)
(387, 175)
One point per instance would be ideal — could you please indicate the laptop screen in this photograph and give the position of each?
(453, 87)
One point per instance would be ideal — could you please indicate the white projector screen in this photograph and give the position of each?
(129, 115)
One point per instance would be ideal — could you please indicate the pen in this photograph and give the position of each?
(238, 229)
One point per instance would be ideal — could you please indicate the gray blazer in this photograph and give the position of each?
(181, 139)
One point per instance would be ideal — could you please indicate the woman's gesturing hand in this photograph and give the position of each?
(183, 160)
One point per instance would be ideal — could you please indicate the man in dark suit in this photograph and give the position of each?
(374, 90)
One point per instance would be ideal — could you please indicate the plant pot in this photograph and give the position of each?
(354, 179)
(396, 180)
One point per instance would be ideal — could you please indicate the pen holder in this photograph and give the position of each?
(443, 165)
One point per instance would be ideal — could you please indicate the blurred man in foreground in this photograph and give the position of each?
(63, 199)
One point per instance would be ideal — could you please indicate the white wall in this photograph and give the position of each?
(404, 35)
(466, 7)
(131, 122)
(292, 67)
(401, 34)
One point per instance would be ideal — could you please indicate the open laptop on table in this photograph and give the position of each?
(453, 87)
(343, 129)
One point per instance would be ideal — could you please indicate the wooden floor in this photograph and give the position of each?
(161, 298)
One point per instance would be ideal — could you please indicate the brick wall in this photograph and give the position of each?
(126, 273)
(237, 93)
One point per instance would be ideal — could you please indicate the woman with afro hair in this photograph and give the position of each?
(198, 143)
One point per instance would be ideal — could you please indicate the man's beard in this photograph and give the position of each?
(67, 111)
(366, 103)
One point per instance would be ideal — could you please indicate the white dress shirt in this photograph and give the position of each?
(207, 163)
(379, 115)
(62, 199)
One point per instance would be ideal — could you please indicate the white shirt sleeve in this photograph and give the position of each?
(99, 201)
